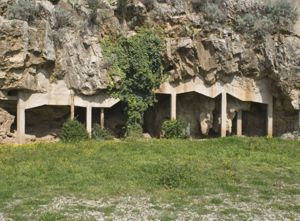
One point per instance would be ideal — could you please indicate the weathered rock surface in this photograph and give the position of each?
(6, 120)
(33, 55)
(291, 136)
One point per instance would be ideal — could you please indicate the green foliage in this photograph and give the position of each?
(213, 13)
(73, 131)
(212, 9)
(214, 169)
(174, 129)
(276, 16)
(173, 175)
(49, 216)
(94, 4)
(282, 13)
(255, 26)
(245, 23)
(25, 10)
(99, 133)
(63, 18)
(136, 71)
(264, 26)
(134, 131)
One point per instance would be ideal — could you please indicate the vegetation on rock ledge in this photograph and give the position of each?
(136, 71)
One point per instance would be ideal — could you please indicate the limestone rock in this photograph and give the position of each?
(6, 120)
(291, 136)
(25, 53)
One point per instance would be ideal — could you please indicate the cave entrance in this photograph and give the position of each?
(196, 110)
(156, 115)
(255, 120)
(115, 119)
(80, 115)
(46, 120)
(11, 107)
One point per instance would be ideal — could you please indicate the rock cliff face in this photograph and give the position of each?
(34, 55)
(62, 42)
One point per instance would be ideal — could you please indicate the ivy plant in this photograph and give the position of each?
(136, 71)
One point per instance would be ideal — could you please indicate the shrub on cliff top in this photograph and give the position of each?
(63, 18)
(25, 10)
(271, 18)
(212, 10)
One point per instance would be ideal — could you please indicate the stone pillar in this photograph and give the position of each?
(20, 120)
(299, 120)
(239, 123)
(89, 119)
(173, 106)
(270, 118)
(102, 118)
(224, 114)
(72, 114)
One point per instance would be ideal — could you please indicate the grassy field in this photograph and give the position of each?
(220, 179)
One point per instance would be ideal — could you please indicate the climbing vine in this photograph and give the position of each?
(136, 71)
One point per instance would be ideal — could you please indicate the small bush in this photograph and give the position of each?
(63, 18)
(99, 133)
(134, 132)
(49, 216)
(174, 175)
(245, 23)
(282, 12)
(213, 13)
(73, 131)
(174, 129)
(273, 17)
(264, 26)
(25, 10)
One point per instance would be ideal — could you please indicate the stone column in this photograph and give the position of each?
(299, 120)
(239, 123)
(89, 119)
(21, 120)
(270, 118)
(173, 106)
(102, 118)
(72, 114)
(224, 114)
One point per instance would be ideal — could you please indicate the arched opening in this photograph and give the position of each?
(255, 120)
(196, 110)
(45, 122)
(115, 119)
(80, 114)
(156, 115)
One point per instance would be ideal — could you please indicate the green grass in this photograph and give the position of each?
(175, 172)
